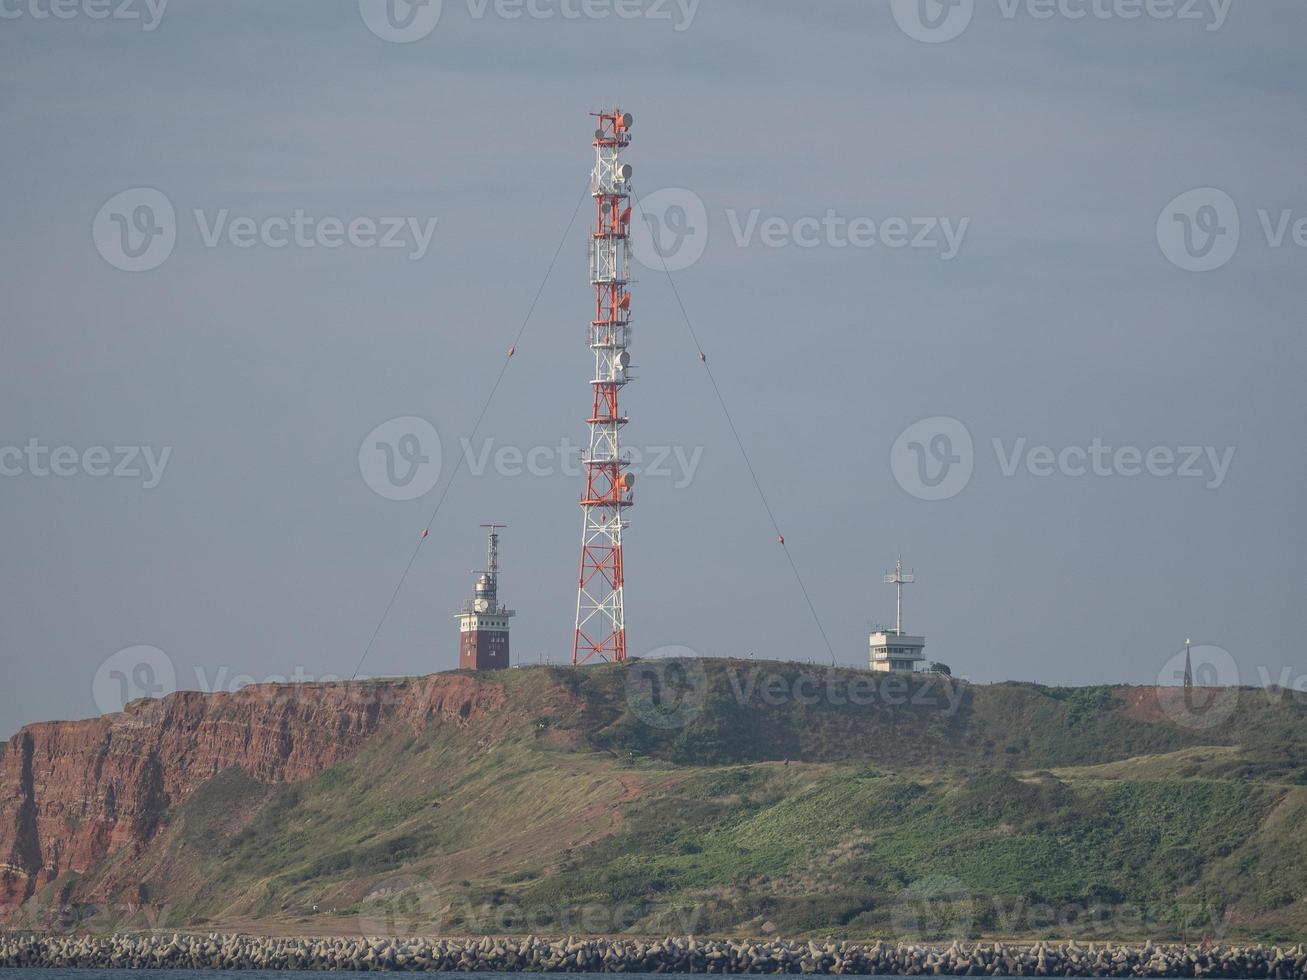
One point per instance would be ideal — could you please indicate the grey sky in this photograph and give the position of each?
(1060, 320)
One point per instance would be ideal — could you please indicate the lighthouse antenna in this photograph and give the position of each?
(483, 621)
(492, 551)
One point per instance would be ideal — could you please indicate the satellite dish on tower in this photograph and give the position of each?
(624, 172)
(628, 480)
(599, 134)
(627, 120)
(624, 359)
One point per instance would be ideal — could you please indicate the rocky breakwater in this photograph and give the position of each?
(686, 955)
(72, 793)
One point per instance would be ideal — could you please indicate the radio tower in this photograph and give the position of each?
(600, 617)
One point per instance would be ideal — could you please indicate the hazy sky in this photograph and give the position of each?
(1081, 304)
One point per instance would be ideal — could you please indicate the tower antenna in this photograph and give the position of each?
(898, 580)
(492, 551)
(600, 609)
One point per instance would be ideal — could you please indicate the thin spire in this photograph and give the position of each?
(898, 580)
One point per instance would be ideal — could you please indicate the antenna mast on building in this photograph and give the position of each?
(600, 613)
(896, 651)
(898, 579)
(492, 552)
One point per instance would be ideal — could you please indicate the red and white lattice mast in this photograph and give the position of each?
(600, 616)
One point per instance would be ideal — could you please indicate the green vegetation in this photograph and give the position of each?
(1004, 810)
(1006, 842)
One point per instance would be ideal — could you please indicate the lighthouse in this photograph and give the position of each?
(483, 623)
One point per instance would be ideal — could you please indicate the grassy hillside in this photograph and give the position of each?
(736, 798)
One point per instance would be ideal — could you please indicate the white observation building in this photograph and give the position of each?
(894, 651)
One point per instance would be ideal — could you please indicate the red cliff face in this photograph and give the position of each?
(73, 792)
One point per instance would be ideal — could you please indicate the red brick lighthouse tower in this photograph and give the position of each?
(483, 623)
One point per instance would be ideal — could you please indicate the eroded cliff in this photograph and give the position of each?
(71, 793)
